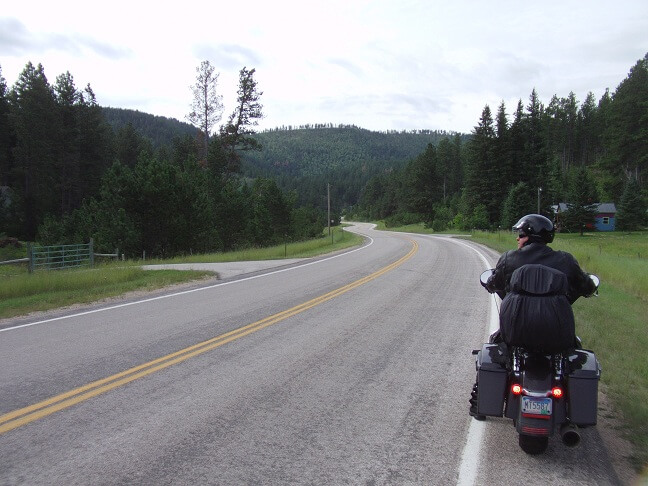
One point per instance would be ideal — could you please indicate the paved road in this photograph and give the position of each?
(349, 370)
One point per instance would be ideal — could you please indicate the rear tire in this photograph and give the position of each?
(533, 445)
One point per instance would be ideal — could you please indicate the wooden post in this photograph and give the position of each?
(30, 255)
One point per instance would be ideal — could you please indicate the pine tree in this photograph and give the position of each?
(626, 134)
(482, 177)
(207, 105)
(631, 213)
(519, 201)
(582, 201)
(5, 134)
(236, 135)
(33, 114)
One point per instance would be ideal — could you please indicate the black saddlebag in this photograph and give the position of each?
(584, 372)
(491, 379)
(536, 314)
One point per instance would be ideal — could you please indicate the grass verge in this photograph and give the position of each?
(22, 293)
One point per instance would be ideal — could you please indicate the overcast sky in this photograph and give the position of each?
(380, 65)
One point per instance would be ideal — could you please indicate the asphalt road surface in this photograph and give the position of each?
(351, 369)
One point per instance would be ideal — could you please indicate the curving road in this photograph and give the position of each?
(352, 369)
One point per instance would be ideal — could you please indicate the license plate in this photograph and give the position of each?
(536, 406)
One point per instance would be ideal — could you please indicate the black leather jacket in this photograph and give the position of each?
(579, 282)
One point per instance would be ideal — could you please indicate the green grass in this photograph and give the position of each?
(24, 293)
(612, 324)
(303, 249)
(21, 292)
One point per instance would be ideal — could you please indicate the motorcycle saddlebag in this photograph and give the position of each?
(491, 379)
(584, 372)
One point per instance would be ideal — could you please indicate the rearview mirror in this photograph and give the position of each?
(596, 280)
(483, 278)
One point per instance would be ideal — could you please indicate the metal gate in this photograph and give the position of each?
(60, 256)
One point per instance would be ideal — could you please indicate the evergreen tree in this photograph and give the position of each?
(423, 184)
(587, 131)
(517, 142)
(207, 105)
(236, 135)
(129, 145)
(534, 170)
(67, 149)
(482, 177)
(96, 146)
(5, 134)
(33, 116)
(582, 202)
(631, 213)
(626, 134)
(449, 166)
(519, 201)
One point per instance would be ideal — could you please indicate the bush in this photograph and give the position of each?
(403, 219)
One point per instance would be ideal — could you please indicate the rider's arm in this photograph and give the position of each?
(497, 281)
(580, 283)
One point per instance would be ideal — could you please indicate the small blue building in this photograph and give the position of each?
(605, 215)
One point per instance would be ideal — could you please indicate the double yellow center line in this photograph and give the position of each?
(25, 415)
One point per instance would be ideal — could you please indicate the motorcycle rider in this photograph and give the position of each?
(534, 233)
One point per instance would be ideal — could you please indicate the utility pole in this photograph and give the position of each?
(539, 191)
(328, 199)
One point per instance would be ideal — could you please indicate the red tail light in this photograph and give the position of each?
(557, 392)
(516, 389)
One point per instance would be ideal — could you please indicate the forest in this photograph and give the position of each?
(570, 152)
(71, 170)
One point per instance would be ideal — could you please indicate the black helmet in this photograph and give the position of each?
(538, 228)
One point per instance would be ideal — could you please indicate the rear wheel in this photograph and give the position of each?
(533, 445)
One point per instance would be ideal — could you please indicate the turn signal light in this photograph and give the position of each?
(557, 392)
(516, 389)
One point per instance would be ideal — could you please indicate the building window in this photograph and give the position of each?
(606, 220)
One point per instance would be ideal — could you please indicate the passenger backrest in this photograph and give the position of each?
(537, 279)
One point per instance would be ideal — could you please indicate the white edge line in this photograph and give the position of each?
(470, 456)
(151, 299)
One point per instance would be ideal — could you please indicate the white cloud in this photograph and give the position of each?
(379, 64)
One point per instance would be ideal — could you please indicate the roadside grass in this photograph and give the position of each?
(22, 293)
(338, 240)
(614, 324)
(45, 290)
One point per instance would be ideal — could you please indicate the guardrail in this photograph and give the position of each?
(55, 257)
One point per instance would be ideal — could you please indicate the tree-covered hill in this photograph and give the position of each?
(159, 130)
(303, 159)
(308, 158)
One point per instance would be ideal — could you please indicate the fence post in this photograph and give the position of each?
(91, 245)
(30, 255)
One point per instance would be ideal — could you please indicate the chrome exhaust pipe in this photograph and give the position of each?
(570, 435)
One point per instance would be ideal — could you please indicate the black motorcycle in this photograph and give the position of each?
(541, 392)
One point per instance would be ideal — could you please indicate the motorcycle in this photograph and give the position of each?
(540, 392)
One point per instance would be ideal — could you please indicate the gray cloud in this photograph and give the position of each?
(348, 66)
(394, 110)
(228, 56)
(16, 40)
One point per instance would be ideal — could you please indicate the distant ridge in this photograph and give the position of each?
(159, 129)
